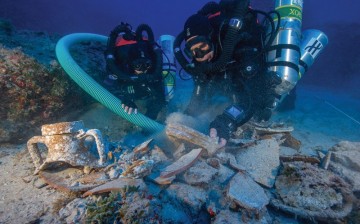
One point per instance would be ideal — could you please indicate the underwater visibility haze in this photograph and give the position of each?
(302, 166)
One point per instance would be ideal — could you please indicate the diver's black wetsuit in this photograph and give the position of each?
(245, 80)
(121, 79)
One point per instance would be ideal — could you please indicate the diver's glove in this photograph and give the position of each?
(263, 93)
(272, 80)
(228, 122)
(129, 106)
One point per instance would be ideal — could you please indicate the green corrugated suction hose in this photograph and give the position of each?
(91, 86)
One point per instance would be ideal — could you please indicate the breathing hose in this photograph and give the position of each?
(91, 86)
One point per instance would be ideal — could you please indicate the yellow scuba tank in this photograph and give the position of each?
(284, 54)
(169, 67)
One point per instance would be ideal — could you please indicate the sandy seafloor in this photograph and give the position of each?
(321, 119)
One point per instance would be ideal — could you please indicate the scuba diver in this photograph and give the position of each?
(134, 69)
(226, 46)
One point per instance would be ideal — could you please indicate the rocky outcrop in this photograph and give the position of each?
(35, 90)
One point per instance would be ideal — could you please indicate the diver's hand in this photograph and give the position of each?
(128, 109)
(213, 134)
(129, 106)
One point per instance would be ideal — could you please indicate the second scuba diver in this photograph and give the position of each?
(134, 66)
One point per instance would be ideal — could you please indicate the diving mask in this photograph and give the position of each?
(141, 65)
(198, 47)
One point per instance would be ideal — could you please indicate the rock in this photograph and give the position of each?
(137, 209)
(172, 214)
(28, 179)
(345, 161)
(346, 146)
(215, 163)
(87, 169)
(31, 93)
(39, 183)
(74, 212)
(287, 151)
(227, 216)
(246, 193)
(230, 217)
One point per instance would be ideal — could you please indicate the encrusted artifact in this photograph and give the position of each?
(65, 142)
(311, 192)
(183, 132)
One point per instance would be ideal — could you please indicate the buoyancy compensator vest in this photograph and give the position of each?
(124, 41)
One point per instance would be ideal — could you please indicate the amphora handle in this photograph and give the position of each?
(96, 134)
(34, 151)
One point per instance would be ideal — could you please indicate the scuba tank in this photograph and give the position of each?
(169, 67)
(284, 53)
(292, 52)
(313, 43)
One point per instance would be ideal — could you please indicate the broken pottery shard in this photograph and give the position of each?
(143, 147)
(158, 155)
(235, 165)
(261, 161)
(247, 193)
(164, 181)
(181, 164)
(270, 130)
(93, 178)
(307, 159)
(183, 132)
(62, 184)
(290, 141)
(189, 196)
(155, 177)
(325, 162)
(200, 174)
(115, 185)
